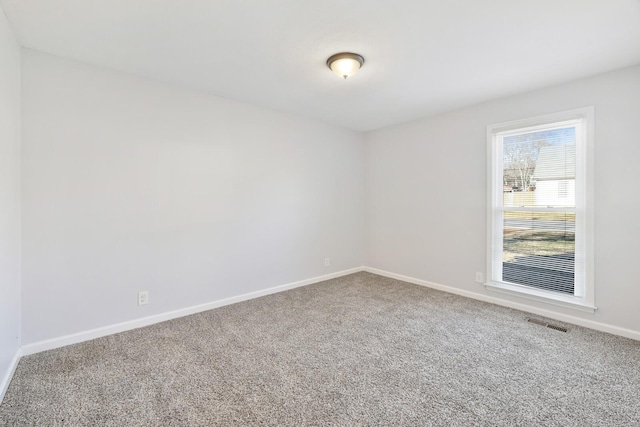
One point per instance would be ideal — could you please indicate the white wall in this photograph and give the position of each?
(9, 200)
(130, 184)
(426, 192)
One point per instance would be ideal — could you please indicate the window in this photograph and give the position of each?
(540, 220)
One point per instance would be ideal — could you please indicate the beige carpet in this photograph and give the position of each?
(358, 350)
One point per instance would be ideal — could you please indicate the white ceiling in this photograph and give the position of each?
(422, 56)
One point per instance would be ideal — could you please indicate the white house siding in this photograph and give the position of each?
(556, 193)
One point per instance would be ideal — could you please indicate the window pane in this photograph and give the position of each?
(540, 168)
(539, 250)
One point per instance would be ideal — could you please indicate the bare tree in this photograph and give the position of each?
(520, 161)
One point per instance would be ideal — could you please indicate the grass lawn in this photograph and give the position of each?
(518, 243)
(544, 216)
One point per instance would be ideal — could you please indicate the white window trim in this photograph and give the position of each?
(584, 209)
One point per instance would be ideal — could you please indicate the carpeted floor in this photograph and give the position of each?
(358, 350)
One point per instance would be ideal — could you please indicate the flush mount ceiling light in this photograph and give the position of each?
(345, 64)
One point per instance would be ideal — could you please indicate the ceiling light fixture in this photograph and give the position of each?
(345, 64)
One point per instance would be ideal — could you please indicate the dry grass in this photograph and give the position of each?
(543, 216)
(518, 242)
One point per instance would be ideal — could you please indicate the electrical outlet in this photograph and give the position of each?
(479, 277)
(327, 262)
(143, 297)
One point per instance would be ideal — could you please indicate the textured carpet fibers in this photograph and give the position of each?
(358, 350)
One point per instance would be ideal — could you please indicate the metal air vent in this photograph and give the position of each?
(547, 325)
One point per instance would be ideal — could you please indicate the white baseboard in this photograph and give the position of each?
(591, 324)
(146, 321)
(4, 385)
(50, 344)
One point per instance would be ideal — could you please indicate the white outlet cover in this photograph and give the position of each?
(143, 297)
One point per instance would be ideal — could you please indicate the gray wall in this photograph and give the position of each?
(9, 200)
(426, 192)
(131, 185)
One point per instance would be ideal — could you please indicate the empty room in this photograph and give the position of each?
(306, 213)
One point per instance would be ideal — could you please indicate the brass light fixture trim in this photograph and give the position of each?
(345, 64)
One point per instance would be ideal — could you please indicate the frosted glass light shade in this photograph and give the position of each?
(345, 64)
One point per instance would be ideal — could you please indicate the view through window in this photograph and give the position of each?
(540, 221)
(539, 171)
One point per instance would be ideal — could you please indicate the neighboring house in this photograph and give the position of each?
(555, 176)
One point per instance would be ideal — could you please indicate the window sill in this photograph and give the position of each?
(541, 296)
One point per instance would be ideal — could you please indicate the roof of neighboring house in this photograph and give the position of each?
(556, 162)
